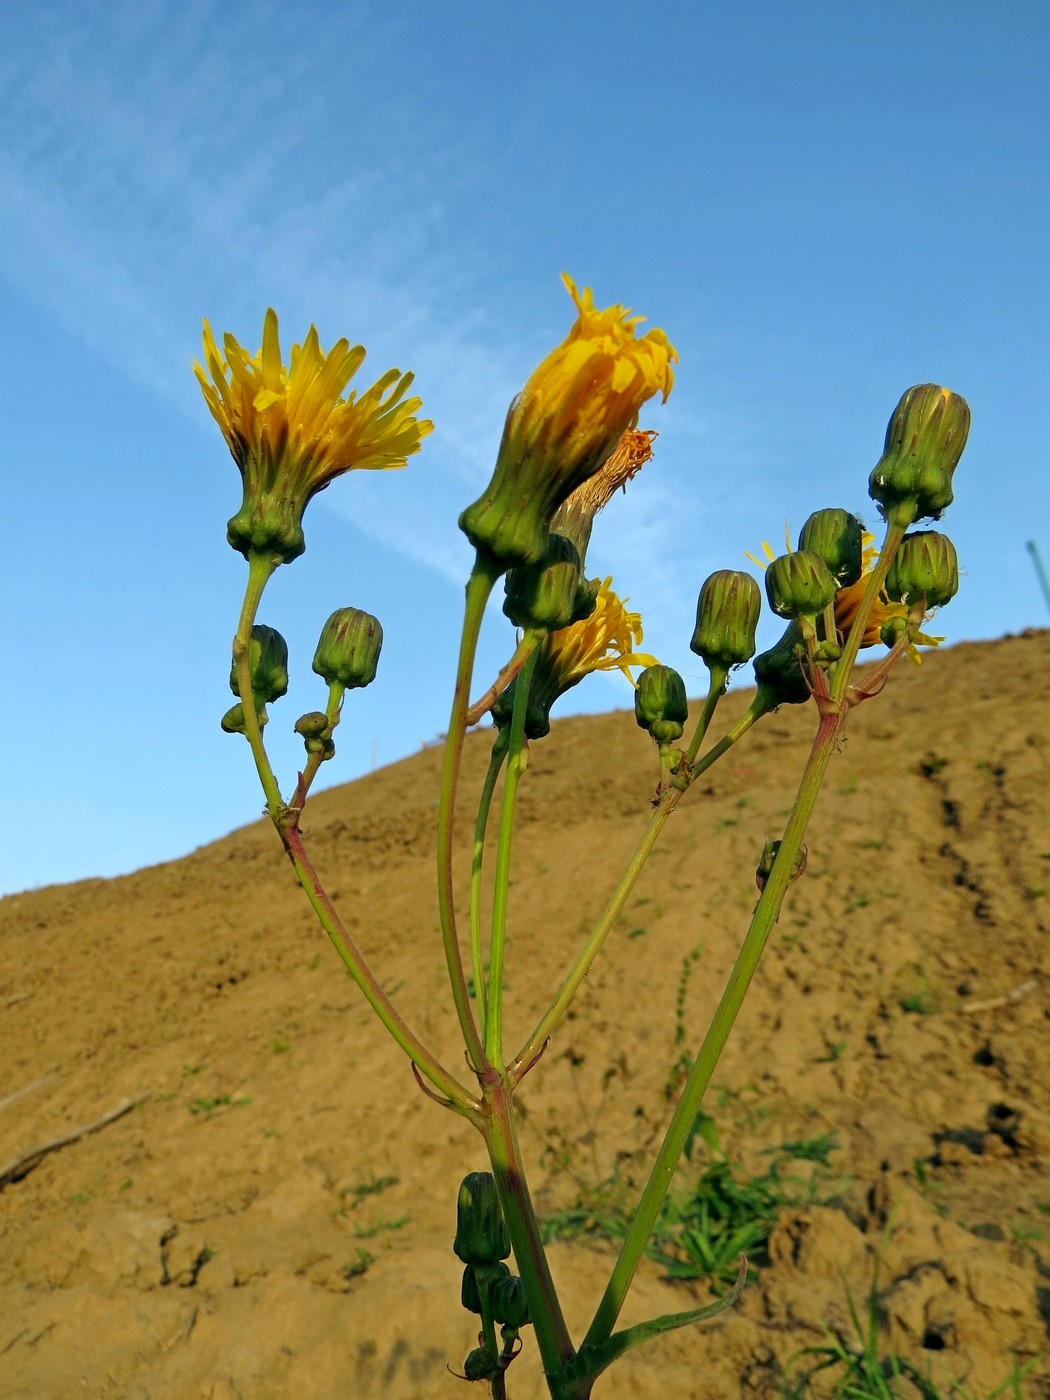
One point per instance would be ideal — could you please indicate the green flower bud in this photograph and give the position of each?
(799, 584)
(892, 630)
(838, 538)
(925, 566)
(726, 618)
(313, 725)
(480, 1365)
(546, 594)
(510, 1307)
(481, 1234)
(769, 855)
(659, 703)
(780, 671)
(316, 730)
(348, 651)
(233, 720)
(267, 663)
(469, 1294)
(924, 441)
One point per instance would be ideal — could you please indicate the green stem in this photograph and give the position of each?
(530, 640)
(843, 667)
(766, 913)
(260, 569)
(552, 1335)
(669, 799)
(488, 1330)
(333, 710)
(480, 585)
(499, 752)
(445, 1082)
(517, 761)
(715, 691)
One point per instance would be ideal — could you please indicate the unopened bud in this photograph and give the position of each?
(925, 566)
(545, 594)
(510, 1307)
(316, 730)
(799, 584)
(267, 665)
(779, 671)
(481, 1235)
(469, 1293)
(769, 855)
(892, 630)
(480, 1365)
(233, 720)
(727, 614)
(924, 441)
(838, 537)
(348, 651)
(660, 704)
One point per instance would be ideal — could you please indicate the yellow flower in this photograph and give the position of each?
(565, 423)
(848, 600)
(292, 431)
(604, 641)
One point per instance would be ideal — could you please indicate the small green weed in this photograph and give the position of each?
(373, 1186)
(369, 1232)
(359, 1264)
(280, 1046)
(869, 1373)
(702, 1231)
(220, 1101)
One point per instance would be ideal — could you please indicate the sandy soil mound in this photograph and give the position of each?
(272, 1216)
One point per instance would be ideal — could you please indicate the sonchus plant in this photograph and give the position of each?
(571, 440)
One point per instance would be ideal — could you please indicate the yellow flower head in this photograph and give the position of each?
(293, 430)
(848, 600)
(565, 423)
(603, 641)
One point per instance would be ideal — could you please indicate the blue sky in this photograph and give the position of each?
(821, 203)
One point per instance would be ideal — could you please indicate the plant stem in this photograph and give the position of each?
(844, 666)
(260, 569)
(479, 586)
(499, 752)
(530, 640)
(369, 984)
(517, 761)
(667, 803)
(766, 913)
(552, 1335)
(285, 819)
(715, 691)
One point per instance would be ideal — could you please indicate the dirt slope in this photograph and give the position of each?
(274, 1216)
